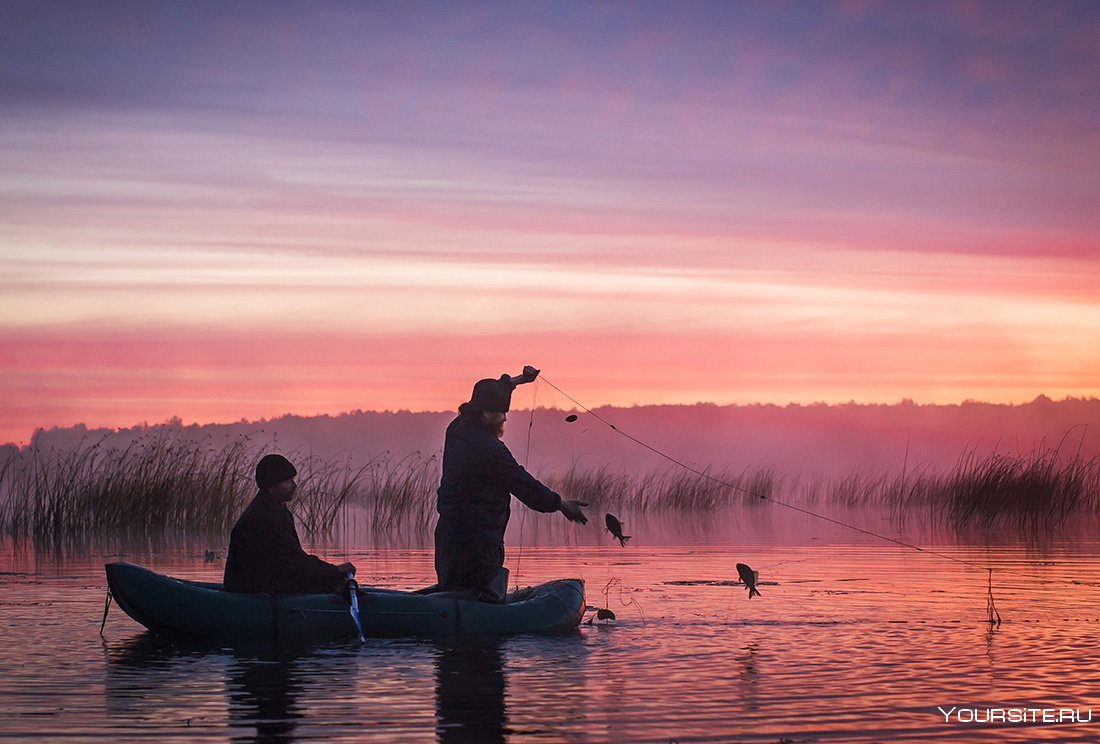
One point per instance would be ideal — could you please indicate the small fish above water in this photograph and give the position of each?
(602, 614)
(615, 527)
(571, 418)
(748, 578)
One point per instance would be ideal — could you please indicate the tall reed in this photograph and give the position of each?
(1035, 492)
(672, 489)
(155, 483)
(160, 484)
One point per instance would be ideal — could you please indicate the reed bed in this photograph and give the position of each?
(399, 494)
(667, 490)
(858, 489)
(160, 485)
(1035, 492)
(153, 484)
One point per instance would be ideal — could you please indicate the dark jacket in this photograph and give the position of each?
(266, 556)
(479, 477)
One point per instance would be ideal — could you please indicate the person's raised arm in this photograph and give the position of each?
(528, 375)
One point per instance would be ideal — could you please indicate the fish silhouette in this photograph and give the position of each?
(615, 527)
(749, 578)
(571, 418)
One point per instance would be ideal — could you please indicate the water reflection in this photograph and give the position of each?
(470, 691)
(748, 675)
(145, 684)
(147, 680)
(853, 643)
(263, 693)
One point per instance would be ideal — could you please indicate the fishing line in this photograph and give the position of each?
(106, 609)
(526, 460)
(992, 616)
(961, 561)
(617, 582)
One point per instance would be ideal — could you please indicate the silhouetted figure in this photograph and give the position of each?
(265, 555)
(469, 692)
(474, 496)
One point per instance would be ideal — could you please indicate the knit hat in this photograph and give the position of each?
(492, 395)
(272, 470)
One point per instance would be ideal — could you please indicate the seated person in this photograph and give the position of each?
(265, 555)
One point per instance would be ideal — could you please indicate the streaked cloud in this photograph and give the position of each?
(750, 201)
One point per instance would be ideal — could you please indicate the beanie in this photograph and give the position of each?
(272, 470)
(492, 395)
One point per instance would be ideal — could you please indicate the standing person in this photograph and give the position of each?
(265, 555)
(479, 477)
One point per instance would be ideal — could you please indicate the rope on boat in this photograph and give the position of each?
(309, 610)
(764, 497)
(106, 609)
(992, 616)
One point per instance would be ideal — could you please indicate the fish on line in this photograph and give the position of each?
(749, 579)
(615, 527)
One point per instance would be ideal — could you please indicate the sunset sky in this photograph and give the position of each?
(223, 210)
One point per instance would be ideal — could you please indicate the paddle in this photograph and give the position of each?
(353, 594)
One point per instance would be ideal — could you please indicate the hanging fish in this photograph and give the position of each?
(571, 418)
(749, 579)
(615, 527)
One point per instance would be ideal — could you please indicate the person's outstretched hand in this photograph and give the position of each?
(572, 511)
(529, 375)
(343, 568)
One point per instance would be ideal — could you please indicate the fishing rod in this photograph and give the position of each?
(353, 596)
(764, 497)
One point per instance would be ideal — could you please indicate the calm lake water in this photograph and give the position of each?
(856, 640)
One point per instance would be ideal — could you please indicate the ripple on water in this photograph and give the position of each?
(850, 642)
